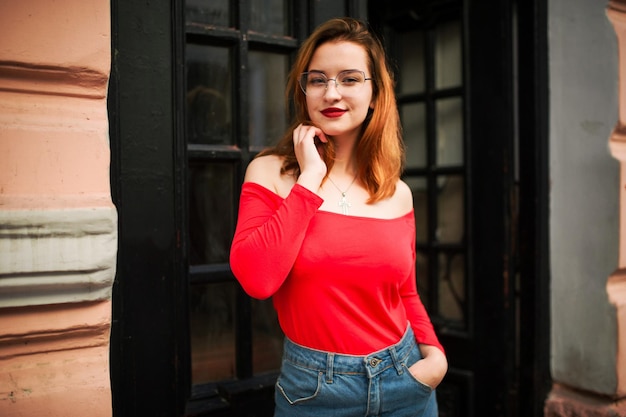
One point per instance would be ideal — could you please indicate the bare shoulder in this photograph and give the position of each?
(403, 197)
(265, 171)
(397, 205)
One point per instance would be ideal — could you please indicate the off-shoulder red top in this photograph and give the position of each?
(344, 284)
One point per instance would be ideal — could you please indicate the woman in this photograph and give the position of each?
(326, 228)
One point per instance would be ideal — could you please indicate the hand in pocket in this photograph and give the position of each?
(432, 368)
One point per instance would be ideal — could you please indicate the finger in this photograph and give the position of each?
(321, 136)
(302, 132)
(297, 134)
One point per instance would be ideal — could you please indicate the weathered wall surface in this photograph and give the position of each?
(587, 293)
(58, 226)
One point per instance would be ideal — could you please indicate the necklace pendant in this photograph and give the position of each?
(344, 204)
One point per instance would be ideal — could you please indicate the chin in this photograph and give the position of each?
(330, 130)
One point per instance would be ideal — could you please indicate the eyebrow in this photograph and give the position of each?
(324, 72)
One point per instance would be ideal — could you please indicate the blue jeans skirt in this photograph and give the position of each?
(316, 383)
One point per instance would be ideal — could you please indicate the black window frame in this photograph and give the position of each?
(209, 397)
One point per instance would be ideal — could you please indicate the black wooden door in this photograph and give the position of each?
(196, 90)
(187, 79)
(471, 93)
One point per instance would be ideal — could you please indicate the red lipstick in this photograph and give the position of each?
(333, 112)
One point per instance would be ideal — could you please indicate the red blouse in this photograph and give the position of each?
(343, 284)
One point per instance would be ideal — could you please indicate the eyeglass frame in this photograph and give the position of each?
(300, 78)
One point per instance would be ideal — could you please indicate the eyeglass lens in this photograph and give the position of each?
(316, 83)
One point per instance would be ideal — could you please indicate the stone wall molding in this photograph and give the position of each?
(47, 79)
(57, 256)
(25, 334)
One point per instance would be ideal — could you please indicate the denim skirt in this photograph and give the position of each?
(316, 383)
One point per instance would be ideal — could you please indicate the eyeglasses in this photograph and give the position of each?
(348, 82)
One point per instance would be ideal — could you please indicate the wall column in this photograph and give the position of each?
(58, 226)
(579, 389)
(616, 286)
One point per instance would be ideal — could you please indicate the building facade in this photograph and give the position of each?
(125, 129)
(58, 239)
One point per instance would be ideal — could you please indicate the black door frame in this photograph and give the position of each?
(533, 231)
(507, 77)
(491, 134)
(148, 294)
(149, 299)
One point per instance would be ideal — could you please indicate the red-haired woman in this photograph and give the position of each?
(326, 227)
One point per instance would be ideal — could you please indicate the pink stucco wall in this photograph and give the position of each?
(54, 68)
(54, 360)
(54, 165)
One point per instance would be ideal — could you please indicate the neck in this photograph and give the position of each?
(343, 169)
(344, 148)
(345, 162)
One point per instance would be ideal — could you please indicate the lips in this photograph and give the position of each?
(333, 112)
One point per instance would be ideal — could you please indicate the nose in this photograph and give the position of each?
(332, 88)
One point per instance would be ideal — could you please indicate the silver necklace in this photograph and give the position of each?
(343, 203)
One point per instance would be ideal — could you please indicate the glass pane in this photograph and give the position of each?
(269, 16)
(214, 12)
(422, 278)
(413, 117)
(211, 211)
(452, 286)
(450, 132)
(212, 312)
(209, 97)
(450, 224)
(420, 207)
(267, 337)
(268, 115)
(448, 56)
(411, 69)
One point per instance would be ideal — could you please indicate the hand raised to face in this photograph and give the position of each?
(308, 153)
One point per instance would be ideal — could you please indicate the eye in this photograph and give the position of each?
(351, 78)
(316, 81)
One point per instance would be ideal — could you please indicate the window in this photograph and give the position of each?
(429, 62)
(236, 64)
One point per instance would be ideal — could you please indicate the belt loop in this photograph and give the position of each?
(396, 361)
(330, 359)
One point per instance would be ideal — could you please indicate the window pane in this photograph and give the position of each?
(413, 117)
(268, 115)
(214, 12)
(450, 224)
(420, 207)
(209, 101)
(267, 337)
(452, 286)
(269, 16)
(449, 132)
(211, 211)
(448, 56)
(411, 68)
(212, 311)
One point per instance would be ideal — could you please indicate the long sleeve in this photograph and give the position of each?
(268, 237)
(416, 312)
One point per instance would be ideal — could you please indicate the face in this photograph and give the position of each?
(340, 115)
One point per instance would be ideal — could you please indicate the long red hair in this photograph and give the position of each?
(380, 149)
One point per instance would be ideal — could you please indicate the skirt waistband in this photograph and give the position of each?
(335, 363)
